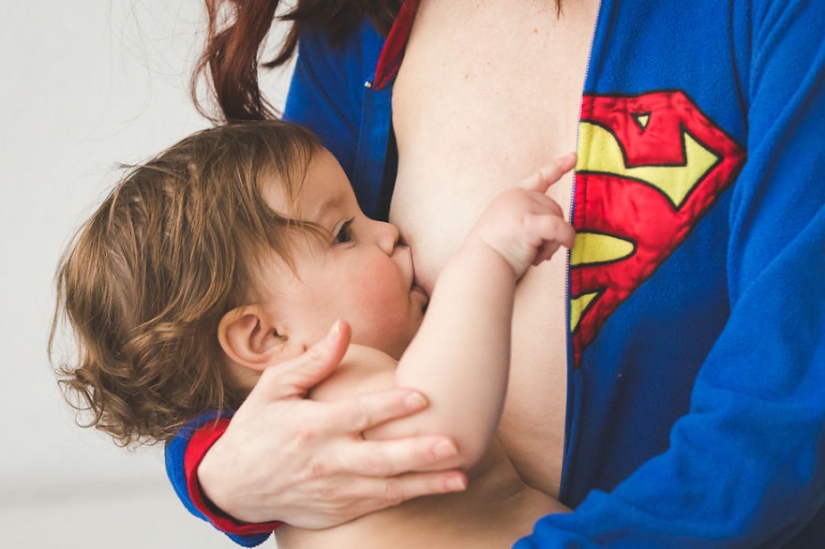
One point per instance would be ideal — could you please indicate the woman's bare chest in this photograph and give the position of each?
(487, 93)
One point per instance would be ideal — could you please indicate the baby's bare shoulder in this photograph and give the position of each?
(364, 370)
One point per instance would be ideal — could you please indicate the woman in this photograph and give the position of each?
(695, 308)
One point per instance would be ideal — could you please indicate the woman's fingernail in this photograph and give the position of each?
(445, 449)
(415, 401)
(456, 484)
(334, 331)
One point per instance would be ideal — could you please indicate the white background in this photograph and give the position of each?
(84, 85)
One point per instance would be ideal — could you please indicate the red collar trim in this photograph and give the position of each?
(393, 52)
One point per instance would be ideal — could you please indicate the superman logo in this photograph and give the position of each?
(650, 166)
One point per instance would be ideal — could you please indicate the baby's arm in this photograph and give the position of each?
(460, 357)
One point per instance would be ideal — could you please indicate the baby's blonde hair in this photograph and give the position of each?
(148, 277)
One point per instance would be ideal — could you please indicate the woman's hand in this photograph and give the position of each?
(284, 457)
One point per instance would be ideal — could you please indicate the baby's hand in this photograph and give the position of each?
(523, 224)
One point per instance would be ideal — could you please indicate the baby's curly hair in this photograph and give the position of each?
(147, 278)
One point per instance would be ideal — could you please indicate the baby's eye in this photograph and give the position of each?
(344, 234)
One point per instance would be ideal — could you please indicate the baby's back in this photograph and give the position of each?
(496, 509)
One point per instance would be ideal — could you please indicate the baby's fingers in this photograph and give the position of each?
(554, 231)
(541, 180)
(545, 252)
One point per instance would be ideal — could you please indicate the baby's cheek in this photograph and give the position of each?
(378, 291)
(379, 277)
(382, 302)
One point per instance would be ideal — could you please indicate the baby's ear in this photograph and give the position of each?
(248, 336)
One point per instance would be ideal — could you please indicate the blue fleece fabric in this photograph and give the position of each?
(175, 452)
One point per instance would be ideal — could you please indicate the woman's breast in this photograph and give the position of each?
(477, 106)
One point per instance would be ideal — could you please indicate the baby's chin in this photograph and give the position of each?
(419, 297)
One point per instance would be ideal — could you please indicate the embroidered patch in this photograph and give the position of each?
(650, 166)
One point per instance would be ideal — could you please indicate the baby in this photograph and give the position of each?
(237, 248)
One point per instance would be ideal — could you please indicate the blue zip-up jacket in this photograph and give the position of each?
(696, 409)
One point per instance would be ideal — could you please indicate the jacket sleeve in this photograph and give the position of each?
(326, 92)
(746, 467)
(183, 455)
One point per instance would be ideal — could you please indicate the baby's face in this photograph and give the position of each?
(359, 273)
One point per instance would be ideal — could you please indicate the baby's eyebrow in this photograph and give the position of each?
(330, 204)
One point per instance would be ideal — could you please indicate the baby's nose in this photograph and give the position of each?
(387, 237)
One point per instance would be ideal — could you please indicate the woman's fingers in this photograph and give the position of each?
(392, 491)
(357, 496)
(365, 412)
(306, 463)
(390, 458)
(295, 377)
(541, 180)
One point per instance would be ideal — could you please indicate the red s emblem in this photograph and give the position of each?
(650, 166)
